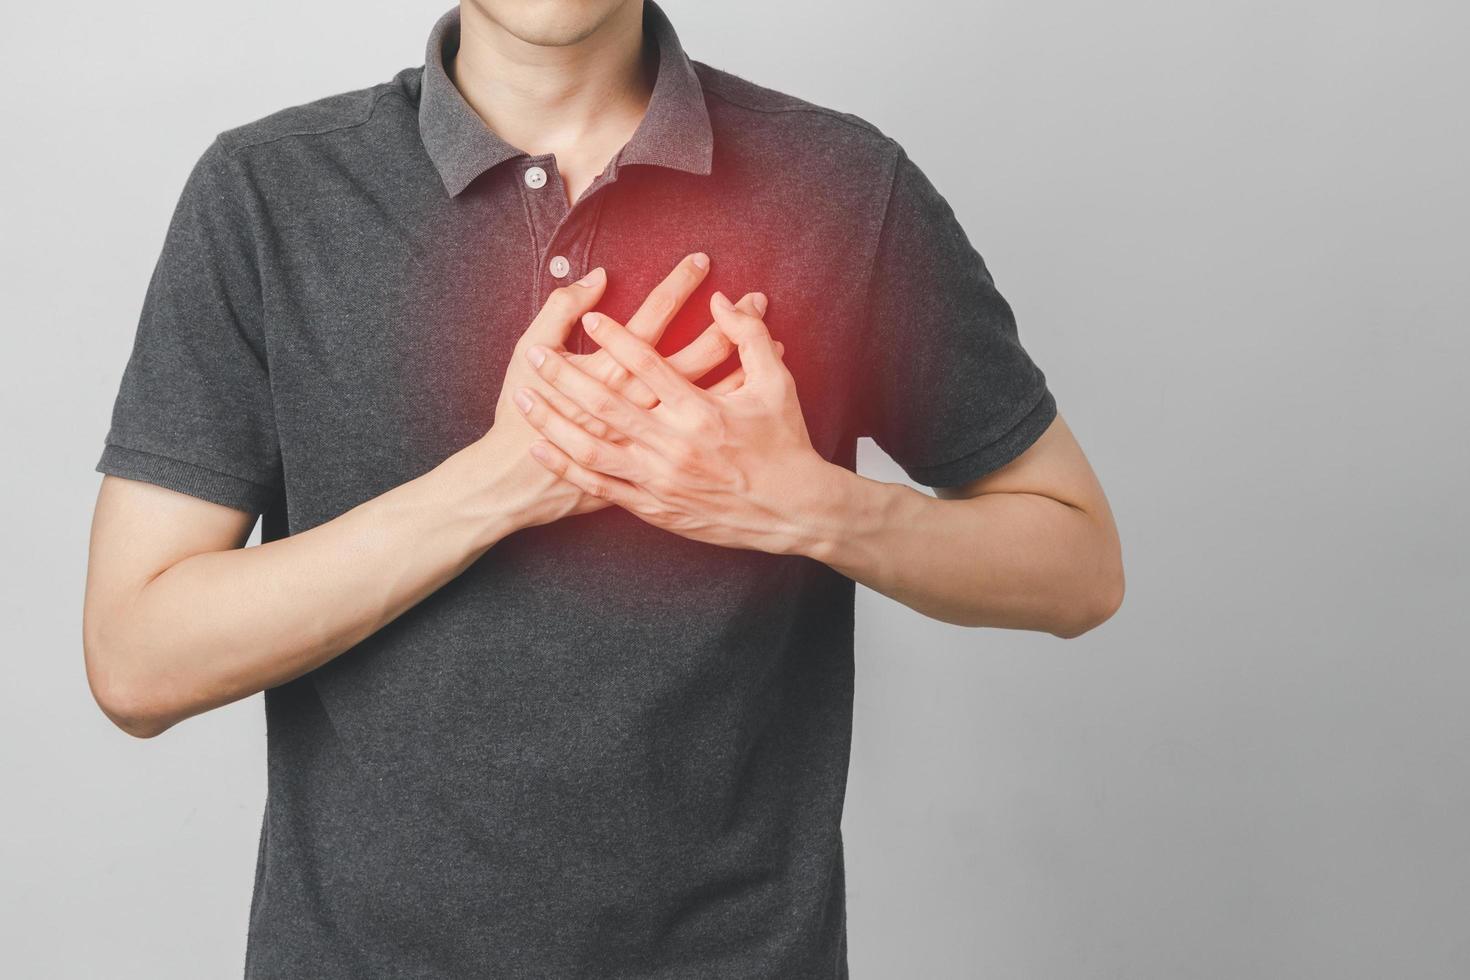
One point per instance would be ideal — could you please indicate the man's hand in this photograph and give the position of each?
(180, 618)
(731, 466)
(1031, 545)
(544, 498)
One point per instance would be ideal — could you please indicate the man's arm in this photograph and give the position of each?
(1031, 545)
(179, 618)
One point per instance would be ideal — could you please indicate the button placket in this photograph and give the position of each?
(560, 230)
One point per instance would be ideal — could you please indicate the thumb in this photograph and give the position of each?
(748, 333)
(564, 308)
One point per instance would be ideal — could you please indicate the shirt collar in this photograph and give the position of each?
(675, 131)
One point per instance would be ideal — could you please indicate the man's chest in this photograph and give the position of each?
(391, 323)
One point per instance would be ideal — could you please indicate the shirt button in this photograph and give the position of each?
(560, 266)
(535, 177)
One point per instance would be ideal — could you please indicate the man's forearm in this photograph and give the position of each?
(1011, 560)
(221, 625)
(739, 469)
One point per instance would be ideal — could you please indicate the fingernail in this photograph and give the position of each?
(592, 278)
(523, 400)
(759, 299)
(723, 301)
(700, 260)
(539, 451)
(589, 321)
(536, 355)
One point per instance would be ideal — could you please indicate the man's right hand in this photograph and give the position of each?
(180, 618)
(535, 495)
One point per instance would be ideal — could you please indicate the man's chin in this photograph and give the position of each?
(548, 23)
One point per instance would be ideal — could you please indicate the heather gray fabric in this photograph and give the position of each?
(603, 750)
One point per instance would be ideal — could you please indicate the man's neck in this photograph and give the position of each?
(579, 101)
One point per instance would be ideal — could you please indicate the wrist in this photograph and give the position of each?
(836, 507)
(484, 493)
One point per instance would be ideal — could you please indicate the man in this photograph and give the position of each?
(554, 622)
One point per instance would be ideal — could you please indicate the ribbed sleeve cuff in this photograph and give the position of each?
(998, 452)
(190, 478)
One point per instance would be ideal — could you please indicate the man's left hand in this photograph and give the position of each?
(731, 465)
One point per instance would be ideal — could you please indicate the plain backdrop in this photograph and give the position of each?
(1235, 238)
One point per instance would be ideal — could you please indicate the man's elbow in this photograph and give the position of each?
(129, 708)
(127, 699)
(1097, 603)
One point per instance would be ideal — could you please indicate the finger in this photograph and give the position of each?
(709, 350)
(728, 383)
(574, 412)
(749, 335)
(736, 378)
(592, 483)
(665, 300)
(586, 449)
(590, 397)
(694, 360)
(636, 391)
(553, 324)
(638, 358)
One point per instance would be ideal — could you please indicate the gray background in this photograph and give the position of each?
(1235, 238)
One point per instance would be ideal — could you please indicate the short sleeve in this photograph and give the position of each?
(193, 412)
(948, 392)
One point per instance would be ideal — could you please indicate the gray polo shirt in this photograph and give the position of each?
(603, 750)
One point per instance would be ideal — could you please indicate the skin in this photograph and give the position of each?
(179, 617)
(566, 77)
(1031, 545)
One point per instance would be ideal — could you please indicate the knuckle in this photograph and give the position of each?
(589, 456)
(616, 376)
(717, 347)
(707, 424)
(641, 395)
(592, 424)
(644, 359)
(605, 406)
